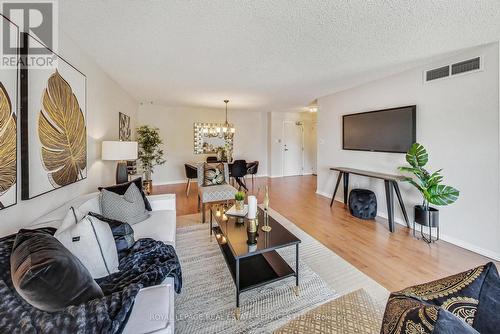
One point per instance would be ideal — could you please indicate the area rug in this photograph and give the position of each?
(355, 312)
(207, 302)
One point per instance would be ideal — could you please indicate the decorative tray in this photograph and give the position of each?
(238, 213)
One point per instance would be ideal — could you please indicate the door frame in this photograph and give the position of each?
(283, 147)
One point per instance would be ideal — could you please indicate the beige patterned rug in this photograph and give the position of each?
(355, 312)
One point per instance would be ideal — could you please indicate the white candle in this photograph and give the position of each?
(252, 207)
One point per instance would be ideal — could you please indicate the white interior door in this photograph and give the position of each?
(293, 146)
(314, 148)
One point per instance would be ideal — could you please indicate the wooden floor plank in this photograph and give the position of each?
(395, 260)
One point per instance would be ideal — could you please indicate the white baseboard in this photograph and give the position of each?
(471, 247)
(275, 176)
(323, 194)
(444, 237)
(169, 182)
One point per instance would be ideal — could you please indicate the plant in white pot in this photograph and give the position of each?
(429, 185)
(150, 152)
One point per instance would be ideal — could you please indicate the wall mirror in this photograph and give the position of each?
(211, 137)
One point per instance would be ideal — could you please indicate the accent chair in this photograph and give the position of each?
(213, 193)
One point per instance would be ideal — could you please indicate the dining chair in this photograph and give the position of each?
(213, 193)
(252, 168)
(238, 172)
(191, 173)
(211, 159)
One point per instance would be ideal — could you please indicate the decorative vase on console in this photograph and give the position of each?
(428, 184)
(220, 154)
(150, 153)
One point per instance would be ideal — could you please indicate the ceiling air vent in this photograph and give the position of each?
(466, 66)
(437, 73)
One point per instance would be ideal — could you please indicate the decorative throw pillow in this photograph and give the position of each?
(122, 232)
(448, 323)
(92, 242)
(75, 214)
(473, 297)
(213, 174)
(121, 188)
(47, 275)
(128, 208)
(487, 320)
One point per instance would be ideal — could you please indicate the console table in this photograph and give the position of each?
(391, 185)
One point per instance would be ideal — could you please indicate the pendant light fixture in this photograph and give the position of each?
(228, 130)
(225, 130)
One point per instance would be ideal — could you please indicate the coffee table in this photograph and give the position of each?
(252, 266)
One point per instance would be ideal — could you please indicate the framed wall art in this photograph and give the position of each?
(124, 127)
(8, 119)
(53, 124)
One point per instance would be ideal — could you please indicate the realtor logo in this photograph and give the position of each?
(38, 18)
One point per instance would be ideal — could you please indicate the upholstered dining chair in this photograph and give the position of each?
(252, 169)
(191, 173)
(213, 193)
(238, 171)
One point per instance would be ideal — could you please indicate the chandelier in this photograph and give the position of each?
(225, 130)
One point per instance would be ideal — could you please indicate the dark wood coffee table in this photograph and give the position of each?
(252, 266)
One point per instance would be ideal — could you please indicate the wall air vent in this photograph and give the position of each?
(462, 67)
(466, 66)
(437, 73)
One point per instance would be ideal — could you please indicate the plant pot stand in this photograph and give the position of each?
(426, 218)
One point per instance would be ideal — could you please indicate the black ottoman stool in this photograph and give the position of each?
(363, 203)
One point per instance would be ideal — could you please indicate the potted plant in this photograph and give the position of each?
(239, 198)
(150, 153)
(429, 185)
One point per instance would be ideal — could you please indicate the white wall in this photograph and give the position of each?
(176, 130)
(275, 142)
(105, 99)
(457, 121)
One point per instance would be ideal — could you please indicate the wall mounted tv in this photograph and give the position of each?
(390, 130)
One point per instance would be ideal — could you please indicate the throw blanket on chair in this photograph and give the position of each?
(148, 263)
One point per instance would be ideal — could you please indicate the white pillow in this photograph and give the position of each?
(76, 213)
(92, 242)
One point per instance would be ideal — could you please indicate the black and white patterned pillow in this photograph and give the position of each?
(213, 174)
(128, 208)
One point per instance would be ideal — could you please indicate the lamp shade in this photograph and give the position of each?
(119, 150)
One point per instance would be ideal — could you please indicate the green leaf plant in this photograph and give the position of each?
(150, 152)
(239, 196)
(427, 183)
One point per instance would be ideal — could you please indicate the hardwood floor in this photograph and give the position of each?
(395, 260)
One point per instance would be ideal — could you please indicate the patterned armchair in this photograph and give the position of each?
(468, 302)
(213, 193)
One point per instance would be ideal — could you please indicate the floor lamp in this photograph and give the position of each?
(120, 151)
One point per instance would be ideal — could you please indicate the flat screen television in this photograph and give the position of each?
(390, 130)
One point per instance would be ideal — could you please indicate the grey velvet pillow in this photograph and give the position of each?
(128, 208)
(47, 275)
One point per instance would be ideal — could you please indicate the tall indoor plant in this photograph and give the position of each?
(429, 185)
(150, 152)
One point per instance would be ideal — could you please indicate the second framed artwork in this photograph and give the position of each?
(53, 124)
(8, 123)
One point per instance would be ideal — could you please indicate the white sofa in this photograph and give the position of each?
(153, 310)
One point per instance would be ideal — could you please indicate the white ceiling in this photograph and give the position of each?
(267, 54)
